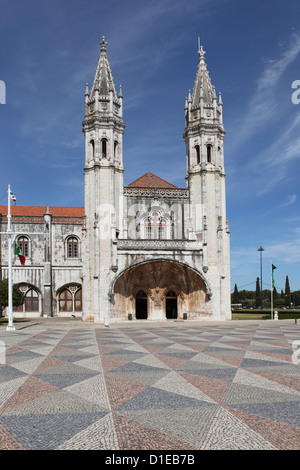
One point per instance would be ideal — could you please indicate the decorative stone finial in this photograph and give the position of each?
(103, 44)
(220, 99)
(201, 53)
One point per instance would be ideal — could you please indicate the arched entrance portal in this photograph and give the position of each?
(171, 305)
(159, 290)
(141, 307)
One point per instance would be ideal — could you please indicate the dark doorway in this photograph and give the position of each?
(171, 305)
(141, 305)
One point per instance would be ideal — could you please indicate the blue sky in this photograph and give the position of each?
(49, 50)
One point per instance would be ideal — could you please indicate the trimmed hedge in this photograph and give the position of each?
(283, 316)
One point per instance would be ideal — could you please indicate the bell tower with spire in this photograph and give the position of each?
(205, 174)
(103, 128)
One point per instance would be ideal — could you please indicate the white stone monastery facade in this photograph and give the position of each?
(149, 250)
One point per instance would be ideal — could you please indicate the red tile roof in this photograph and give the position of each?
(39, 211)
(148, 180)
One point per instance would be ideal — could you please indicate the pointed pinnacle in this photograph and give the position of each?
(103, 44)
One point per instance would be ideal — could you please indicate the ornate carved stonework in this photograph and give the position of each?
(181, 193)
(159, 245)
(28, 219)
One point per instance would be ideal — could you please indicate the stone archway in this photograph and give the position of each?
(69, 300)
(171, 288)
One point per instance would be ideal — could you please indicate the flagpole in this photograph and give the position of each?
(11, 243)
(271, 290)
(10, 326)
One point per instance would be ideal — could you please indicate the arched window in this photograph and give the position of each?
(31, 301)
(209, 153)
(148, 229)
(65, 301)
(72, 247)
(104, 148)
(161, 229)
(78, 300)
(155, 227)
(197, 149)
(70, 299)
(92, 144)
(23, 243)
(115, 149)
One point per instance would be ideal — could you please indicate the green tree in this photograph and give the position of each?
(17, 297)
(235, 295)
(287, 292)
(279, 303)
(275, 294)
(296, 296)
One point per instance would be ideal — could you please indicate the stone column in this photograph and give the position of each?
(47, 294)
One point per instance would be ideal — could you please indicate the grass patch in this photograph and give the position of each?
(5, 320)
(247, 316)
(264, 314)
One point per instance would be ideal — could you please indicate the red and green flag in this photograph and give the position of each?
(19, 253)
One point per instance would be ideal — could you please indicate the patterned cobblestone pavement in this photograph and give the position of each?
(171, 385)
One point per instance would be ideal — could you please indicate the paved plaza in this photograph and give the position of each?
(176, 385)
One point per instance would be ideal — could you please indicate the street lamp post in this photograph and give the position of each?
(260, 249)
(11, 241)
(11, 237)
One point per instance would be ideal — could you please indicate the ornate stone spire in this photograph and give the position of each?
(103, 123)
(103, 80)
(203, 88)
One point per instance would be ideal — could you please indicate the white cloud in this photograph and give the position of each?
(290, 200)
(292, 219)
(263, 104)
(273, 163)
(288, 251)
(275, 68)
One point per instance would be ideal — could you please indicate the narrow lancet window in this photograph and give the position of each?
(197, 148)
(92, 144)
(209, 152)
(104, 148)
